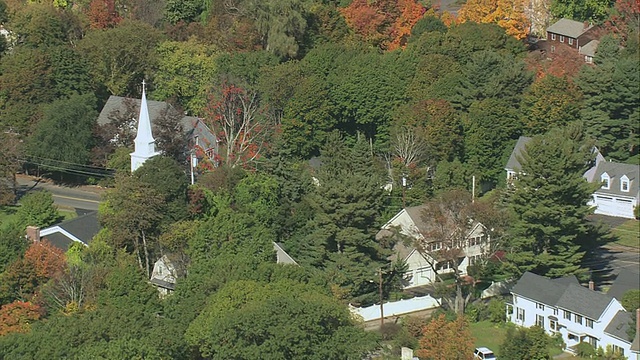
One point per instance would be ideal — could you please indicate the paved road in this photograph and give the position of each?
(86, 198)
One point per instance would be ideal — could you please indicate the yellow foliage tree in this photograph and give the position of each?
(508, 14)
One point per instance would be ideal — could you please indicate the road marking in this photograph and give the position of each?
(77, 199)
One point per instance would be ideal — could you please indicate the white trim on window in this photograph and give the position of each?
(624, 183)
(570, 41)
(606, 181)
(553, 36)
(561, 38)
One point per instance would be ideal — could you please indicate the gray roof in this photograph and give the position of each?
(191, 125)
(583, 301)
(566, 280)
(616, 171)
(590, 48)
(619, 325)
(282, 257)
(60, 240)
(569, 28)
(539, 288)
(84, 228)
(626, 280)
(514, 163)
(564, 294)
(163, 284)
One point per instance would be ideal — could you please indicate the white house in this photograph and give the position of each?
(579, 314)
(620, 190)
(410, 223)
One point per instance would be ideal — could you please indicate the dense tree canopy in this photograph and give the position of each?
(330, 117)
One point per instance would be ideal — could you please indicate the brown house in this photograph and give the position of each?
(572, 33)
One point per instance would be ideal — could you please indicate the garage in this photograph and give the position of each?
(619, 207)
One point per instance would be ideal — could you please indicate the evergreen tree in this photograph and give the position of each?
(550, 234)
(611, 102)
(347, 201)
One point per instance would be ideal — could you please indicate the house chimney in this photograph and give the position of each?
(586, 25)
(33, 233)
(591, 285)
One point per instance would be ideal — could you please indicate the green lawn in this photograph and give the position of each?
(7, 213)
(492, 335)
(628, 233)
(489, 335)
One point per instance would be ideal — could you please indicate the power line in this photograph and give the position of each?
(71, 163)
(71, 170)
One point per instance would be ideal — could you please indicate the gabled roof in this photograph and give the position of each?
(616, 171)
(514, 163)
(583, 301)
(403, 249)
(626, 280)
(619, 325)
(81, 229)
(569, 28)
(539, 288)
(281, 256)
(565, 293)
(191, 125)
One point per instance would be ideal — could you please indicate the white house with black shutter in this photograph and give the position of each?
(578, 314)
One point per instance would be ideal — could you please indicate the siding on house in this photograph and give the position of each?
(578, 314)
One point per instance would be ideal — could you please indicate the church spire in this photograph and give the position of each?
(145, 145)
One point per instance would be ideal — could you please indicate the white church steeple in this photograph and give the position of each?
(145, 145)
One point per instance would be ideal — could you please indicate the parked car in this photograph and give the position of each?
(484, 354)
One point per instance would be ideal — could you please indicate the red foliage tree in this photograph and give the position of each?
(243, 133)
(22, 278)
(46, 259)
(102, 14)
(18, 316)
(624, 18)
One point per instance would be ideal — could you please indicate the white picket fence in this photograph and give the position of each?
(396, 308)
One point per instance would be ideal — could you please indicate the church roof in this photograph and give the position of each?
(191, 126)
(144, 135)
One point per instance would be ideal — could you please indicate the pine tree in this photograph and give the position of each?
(550, 233)
(346, 204)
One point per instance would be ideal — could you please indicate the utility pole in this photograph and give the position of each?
(404, 185)
(381, 299)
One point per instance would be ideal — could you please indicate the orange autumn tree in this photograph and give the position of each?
(508, 14)
(22, 279)
(442, 339)
(46, 259)
(18, 316)
(384, 23)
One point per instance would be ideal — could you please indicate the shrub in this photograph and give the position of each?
(390, 331)
(475, 312)
(585, 350)
(496, 311)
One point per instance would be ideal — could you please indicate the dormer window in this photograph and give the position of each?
(624, 183)
(606, 181)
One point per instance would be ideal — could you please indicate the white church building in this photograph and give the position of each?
(145, 144)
